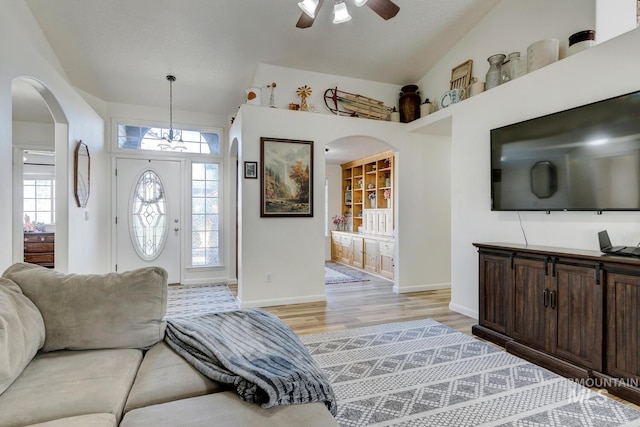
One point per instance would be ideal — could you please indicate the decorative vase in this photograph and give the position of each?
(494, 75)
(254, 95)
(542, 53)
(409, 103)
(426, 108)
(513, 67)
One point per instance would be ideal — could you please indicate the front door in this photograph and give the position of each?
(148, 215)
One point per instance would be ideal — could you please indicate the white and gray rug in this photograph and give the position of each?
(422, 373)
(192, 300)
(334, 273)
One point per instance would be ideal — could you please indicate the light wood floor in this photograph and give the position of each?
(372, 302)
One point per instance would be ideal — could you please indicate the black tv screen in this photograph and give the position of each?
(586, 158)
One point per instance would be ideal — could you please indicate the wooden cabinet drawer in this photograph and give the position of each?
(42, 259)
(39, 238)
(39, 247)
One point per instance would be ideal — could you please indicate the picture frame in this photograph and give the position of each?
(251, 170)
(286, 178)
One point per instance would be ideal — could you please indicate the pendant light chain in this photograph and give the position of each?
(171, 80)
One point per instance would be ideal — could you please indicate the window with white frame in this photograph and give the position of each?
(205, 214)
(39, 200)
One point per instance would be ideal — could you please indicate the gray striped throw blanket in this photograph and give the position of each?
(255, 352)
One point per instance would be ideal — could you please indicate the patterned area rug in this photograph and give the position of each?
(192, 300)
(333, 274)
(422, 373)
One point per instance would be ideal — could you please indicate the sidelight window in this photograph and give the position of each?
(205, 214)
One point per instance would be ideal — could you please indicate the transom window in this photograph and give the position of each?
(149, 138)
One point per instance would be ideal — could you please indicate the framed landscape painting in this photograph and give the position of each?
(286, 184)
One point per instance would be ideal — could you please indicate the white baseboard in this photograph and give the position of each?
(463, 310)
(208, 281)
(281, 301)
(418, 288)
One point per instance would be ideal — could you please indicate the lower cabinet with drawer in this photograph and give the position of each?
(39, 248)
(374, 254)
(572, 311)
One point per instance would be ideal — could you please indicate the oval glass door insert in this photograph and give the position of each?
(148, 222)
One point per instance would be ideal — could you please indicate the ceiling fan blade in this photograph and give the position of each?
(305, 20)
(385, 8)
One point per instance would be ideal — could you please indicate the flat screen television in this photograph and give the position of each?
(583, 159)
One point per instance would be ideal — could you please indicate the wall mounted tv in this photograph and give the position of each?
(583, 159)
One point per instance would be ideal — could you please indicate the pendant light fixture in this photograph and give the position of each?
(173, 139)
(340, 12)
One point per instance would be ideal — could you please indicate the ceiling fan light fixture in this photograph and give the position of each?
(340, 13)
(309, 7)
(360, 3)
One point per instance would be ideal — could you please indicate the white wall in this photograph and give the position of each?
(333, 174)
(614, 17)
(511, 26)
(25, 52)
(292, 249)
(579, 79)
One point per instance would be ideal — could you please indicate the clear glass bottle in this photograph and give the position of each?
(513, 67)
(494, 75)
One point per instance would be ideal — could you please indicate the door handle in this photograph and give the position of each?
(553, 300)
(545, 293)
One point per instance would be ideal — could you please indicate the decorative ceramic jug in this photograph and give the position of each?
(494, 75)
(409, 103)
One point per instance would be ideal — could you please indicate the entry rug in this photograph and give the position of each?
(192, 300)
(422, 373)
(333, 275)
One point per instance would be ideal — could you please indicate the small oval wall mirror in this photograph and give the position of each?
(82, 166)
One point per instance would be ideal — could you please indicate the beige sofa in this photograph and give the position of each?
(88, 350)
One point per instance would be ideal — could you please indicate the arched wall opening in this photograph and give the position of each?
(345, 150)
(39, 126)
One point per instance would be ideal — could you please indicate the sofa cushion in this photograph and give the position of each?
(93, 420)
(164, 376)
(70, 383)
(226, 409)
(92, 311)
(21, 332)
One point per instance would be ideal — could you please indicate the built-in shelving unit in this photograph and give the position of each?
(367, 194)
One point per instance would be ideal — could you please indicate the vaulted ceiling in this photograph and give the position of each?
(121, 50)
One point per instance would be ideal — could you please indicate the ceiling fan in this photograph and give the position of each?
(386, 9)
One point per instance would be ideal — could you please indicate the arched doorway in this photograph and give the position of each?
(351, 159)
(39, 138)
